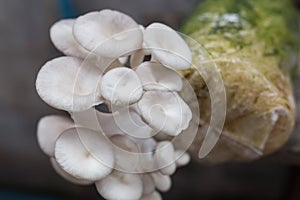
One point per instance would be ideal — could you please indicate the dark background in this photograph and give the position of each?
(26, 173)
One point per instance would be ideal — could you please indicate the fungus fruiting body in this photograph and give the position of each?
(121, 150)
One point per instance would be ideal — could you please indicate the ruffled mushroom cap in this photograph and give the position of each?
(61, 34)
(108, 33)
(49, 129)
(121, 86)
(165, 111)
(67, 83)
(155, 76)
(120, 186)
(67, 176)
(167, 46)
(85, 154)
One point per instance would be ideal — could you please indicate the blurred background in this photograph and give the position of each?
(26, 173)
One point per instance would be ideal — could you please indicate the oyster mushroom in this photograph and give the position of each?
(67, 176)
(167, 46)
(49, 129)
(181, 158)
(67, 83)
(162, 182)
(155, 76)
(62, 37)
(121, 86)
(85, 154)
(108, 33)
(165, 111)
(121, 186)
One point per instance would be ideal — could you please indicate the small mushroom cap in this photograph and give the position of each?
(84, 153)
(182, 158)
(49, 129)
(162, 182)
(165, 111)
(155, 76)
(164, 157)
(108, 33)
(148, 184)
(167, 46)
(120, 186)
(153, 196)
(67, 176)
(126, 154)
(67, 83)
(121, 86)
(61, 34)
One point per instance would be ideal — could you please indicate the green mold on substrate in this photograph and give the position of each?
(254, 45)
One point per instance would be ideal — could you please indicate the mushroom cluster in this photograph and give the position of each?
(127, 151)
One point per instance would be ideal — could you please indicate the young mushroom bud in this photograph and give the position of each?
(120, 186)
(182, 158)
(162, 182)
(67, 83)
(167, 46)
(49, 129)
(155, 76)
(85, 154)
(108, 33)
(121, 86)
(165, 111)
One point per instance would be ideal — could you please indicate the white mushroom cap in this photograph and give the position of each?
(120, 186)
(67, 176)
(108, 33)
(167, 46)
(155, 76)
(121, 86)
(165, 111)
(126, 154)
(49, 129)
(153, 196)
(84, 153)
(148, 184)
(162, 182)
(62, 37)
(182, 158)
(164, 157)
(68, 84)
